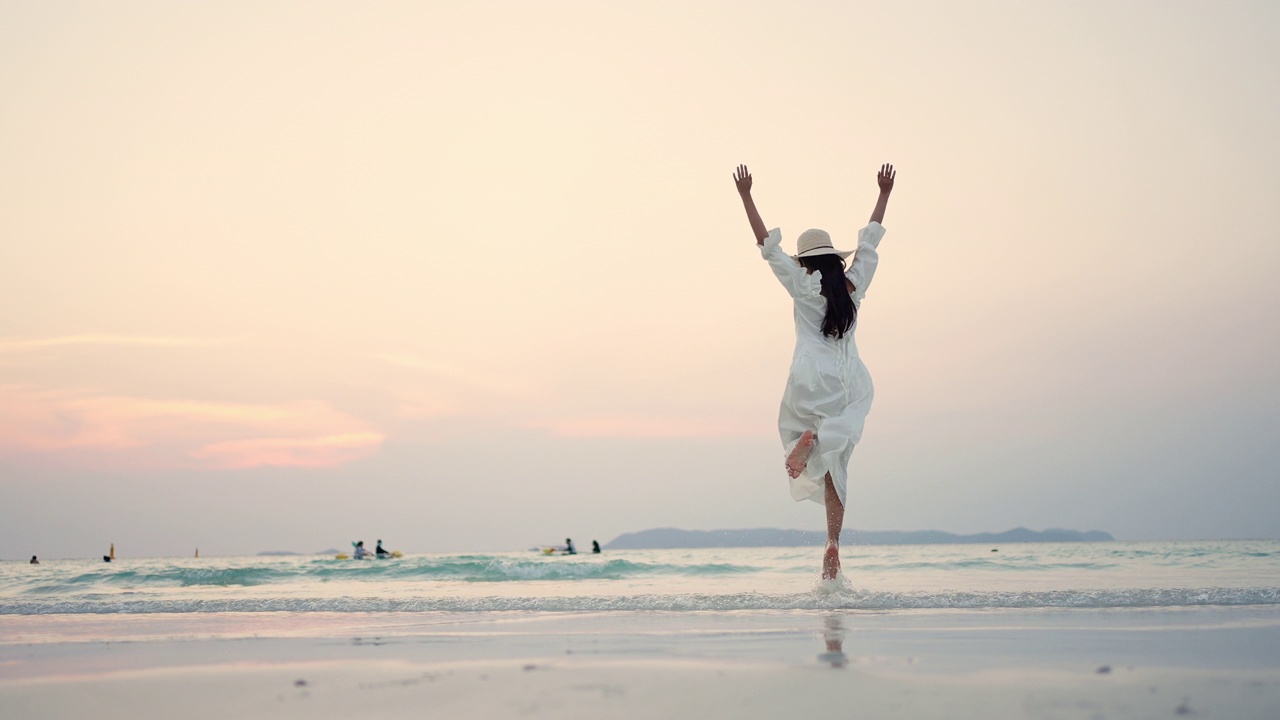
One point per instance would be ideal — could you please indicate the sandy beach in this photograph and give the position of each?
(1059, 663)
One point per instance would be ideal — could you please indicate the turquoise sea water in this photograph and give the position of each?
(1039, 575)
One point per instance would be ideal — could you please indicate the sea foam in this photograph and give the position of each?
(830, 597)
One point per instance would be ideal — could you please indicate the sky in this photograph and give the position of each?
(474, 276)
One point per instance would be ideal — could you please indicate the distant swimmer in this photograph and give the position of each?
(595, 547)
(568, 547)
(360, 552)
(380, 552)
(828, 392)
(35, 560)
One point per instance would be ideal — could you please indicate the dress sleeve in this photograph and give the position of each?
(865, 259)
(793, 277)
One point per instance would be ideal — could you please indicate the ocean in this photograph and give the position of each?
(884, 577)
(1071, 630)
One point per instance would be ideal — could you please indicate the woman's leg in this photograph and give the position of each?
(835, 522)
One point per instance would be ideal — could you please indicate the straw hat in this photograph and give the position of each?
(817, 242)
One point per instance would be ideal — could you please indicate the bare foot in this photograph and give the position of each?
(799, 456)
(831, 561)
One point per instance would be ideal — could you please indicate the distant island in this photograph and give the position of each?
(660, 538)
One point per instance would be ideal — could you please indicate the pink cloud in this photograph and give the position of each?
(146, 432)
(17, 345)
(298, 452)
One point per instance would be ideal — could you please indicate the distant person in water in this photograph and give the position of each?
(360, 552)
(380, 552)
(35, 560)
(595, 547)
(828, 391)
(568, 547)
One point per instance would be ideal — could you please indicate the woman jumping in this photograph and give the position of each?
(828, 390)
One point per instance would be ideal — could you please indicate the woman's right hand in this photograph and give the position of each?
(885, 178)
(742, 178)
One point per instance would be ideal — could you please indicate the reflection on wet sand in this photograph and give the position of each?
(833, 636)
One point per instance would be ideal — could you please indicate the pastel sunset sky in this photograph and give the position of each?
(474, 276)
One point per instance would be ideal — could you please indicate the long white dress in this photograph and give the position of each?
(829, 390)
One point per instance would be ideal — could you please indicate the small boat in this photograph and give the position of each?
(555, 550)
(395, 554)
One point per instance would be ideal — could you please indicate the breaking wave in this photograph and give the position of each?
(819, 599)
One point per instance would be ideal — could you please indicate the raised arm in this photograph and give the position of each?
(867, 257)
(742, 178)
(885, 180)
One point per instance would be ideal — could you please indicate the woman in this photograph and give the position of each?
(828, 390)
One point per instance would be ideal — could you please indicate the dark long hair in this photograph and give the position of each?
(841, 312)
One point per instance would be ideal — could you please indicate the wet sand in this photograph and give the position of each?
(1191, 662)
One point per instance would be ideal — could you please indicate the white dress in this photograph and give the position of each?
(828, 389)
